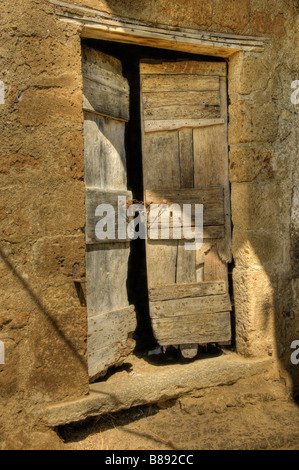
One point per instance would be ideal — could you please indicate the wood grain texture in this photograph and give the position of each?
(110, 317)
(162, 125)
(211, 198)
(105, 90)
(192, 306)
(188, 290)
(200, 329)
(94, 198)
(107, 273)
(110, 327)
(182, 67)
(185, 310)
(177, 83)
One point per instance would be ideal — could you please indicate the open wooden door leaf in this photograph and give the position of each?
(111, 320)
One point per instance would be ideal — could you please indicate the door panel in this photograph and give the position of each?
(111, 320)
(184, 141)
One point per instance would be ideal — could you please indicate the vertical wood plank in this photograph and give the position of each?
(186, 158)
(186, 264)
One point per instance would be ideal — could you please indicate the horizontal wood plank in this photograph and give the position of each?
(177, 83)
(211, 198)
(181, 291)
(161, 125)
(201, 329)
(193, 306)
(170, 98)
(182, 111)
(105, 100)
(110, 327)
(158, 67)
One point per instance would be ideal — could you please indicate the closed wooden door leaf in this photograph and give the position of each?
(185, 160)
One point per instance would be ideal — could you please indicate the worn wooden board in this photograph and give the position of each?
(110, 327)
(181, 291)
(200, 329)
(115, 226)
(161, 260)
(189, 165)
(159, 99)
(182, 105)
(178, 83)
(105, 90)
(186, 158)
(107, 273)
(105, 100)
(162, 125)
(100, 360)
(192, 306)
(161, 164)
(211, 198)
(186, 264)
(182, 67)
(111, 319)
(105, 156)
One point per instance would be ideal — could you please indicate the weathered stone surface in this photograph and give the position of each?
(145, 389)
(248, 163)
(259, 206)
(254, 312)
(257, 249)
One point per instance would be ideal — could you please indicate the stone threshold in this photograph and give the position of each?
(164, 384)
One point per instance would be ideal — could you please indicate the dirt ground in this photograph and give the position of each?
(253, 414)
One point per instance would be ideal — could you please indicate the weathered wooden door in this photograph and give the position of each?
(111, 320)
(185, 160)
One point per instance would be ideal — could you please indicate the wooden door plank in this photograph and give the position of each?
(186, 264)
(181, 291)
(111, 319)
(211, 198)
(105, 90)
(161, 67)
(110, 328)
(159, 99)
(186, 158)
(157, 125)
(215, 269)
(161, 257)
(200, 329)
(161, 166)
(94, 198)
(178, 83)
(107, 273)
(105, 157)
(192, 306)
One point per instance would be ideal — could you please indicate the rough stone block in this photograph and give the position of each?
(257, 249)
(253, 120)
(248, 163)
(259, 206)
(254, 312)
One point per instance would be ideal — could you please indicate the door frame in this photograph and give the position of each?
(95, 24)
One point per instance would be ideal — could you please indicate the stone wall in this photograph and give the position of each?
(42, 213)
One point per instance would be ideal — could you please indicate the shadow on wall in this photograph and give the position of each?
(46, 320)
(266, 321)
